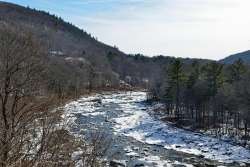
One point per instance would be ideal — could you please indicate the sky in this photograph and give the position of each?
(211, 29)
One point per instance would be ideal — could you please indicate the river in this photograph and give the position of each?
(138, 139)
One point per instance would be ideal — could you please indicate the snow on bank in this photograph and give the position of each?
(137, 123)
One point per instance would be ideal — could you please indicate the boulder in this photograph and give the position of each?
(139, 165)
(115, 163)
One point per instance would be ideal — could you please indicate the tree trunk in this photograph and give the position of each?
(245, 127)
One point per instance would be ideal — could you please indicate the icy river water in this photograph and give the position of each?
(139, 139)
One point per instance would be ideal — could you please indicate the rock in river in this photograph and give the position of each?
(115, 163)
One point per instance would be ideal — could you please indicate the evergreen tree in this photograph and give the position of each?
(214, 77)
(244, 101)
(175, 83)
(214, 80)
(236, 71)
(194, 75)
(192, 79)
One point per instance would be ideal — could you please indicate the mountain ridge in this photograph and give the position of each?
(76, 52)
(244, 56)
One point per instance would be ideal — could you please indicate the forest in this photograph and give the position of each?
(212, 96)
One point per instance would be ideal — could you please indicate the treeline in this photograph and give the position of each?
(209, 96)
(8, 11)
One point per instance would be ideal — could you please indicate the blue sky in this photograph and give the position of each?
(209, 29)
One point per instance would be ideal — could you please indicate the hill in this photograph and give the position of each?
(78, 60)
(245, 56)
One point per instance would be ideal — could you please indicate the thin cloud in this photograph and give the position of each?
(204, 28)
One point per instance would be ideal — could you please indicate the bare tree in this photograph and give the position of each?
(95, 149)
(31, 130)
(26, 123)
(19, 69)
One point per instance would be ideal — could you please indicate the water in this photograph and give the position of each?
(138, 139)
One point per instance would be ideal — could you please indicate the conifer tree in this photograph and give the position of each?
(175, 83)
